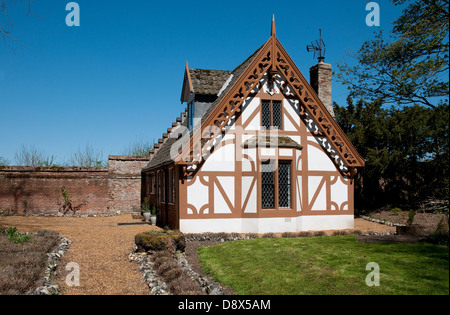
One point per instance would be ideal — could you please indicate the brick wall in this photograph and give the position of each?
(125, 182)
(321, 82)
(37, 190)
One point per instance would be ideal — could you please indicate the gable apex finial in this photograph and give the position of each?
(273, 31)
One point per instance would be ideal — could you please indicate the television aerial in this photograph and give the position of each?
(318, 47)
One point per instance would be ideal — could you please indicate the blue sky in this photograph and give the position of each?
(117, 77)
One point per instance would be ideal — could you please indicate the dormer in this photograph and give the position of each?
(201, 88)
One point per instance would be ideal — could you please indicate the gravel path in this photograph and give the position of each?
(99, 246)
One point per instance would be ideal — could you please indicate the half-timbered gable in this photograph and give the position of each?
(264, 155)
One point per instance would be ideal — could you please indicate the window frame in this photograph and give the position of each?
(271, 112)
(171, 190)
(276, 183)
(153, 183)
(162, 186)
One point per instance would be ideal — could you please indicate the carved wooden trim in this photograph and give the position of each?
(271, 57)
(214, 127)
(311, 104)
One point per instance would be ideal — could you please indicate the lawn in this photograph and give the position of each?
(326, 265)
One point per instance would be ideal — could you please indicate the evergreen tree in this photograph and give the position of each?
(406, 152)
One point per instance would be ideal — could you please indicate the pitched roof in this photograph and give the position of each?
(271, 56)
(235, 74)
(163, 156)
(208, 82)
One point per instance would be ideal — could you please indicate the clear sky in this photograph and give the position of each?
(118, 76)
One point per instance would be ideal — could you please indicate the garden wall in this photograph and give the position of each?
(37, 190)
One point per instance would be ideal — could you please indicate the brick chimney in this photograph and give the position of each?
(320, 80)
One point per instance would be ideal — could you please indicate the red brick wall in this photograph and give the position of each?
(37, 190)
(125, 181)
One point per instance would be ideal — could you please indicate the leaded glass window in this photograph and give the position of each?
(268, 185)
(276, 184)
(276, 114)
(266, 119)
(284, 184)
(271, 114)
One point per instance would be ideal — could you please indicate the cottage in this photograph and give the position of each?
(256, 150)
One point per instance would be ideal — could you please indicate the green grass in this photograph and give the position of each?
(326, 265)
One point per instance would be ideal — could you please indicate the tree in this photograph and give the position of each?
(139, 147)
(87, 157)
(406, 152)
(3, 161)
(31, 156)
(6, 23)
(413, 66)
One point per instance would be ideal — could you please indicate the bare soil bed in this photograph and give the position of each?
(429, 221)
(22, 264)
(100, 246)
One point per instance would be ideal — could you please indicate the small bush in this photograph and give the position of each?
(304, 234)
(184, 285)
(158, 262)
(165, 267)
(161, 254)
(396, 210)
(337, 233)
(411, 215)
(172, 274)
(441, 235)
(439, 238)
(289, 235)
(177, 280)
(160, 240)
(15, 237)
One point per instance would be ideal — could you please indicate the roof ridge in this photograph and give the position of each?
(210, 69)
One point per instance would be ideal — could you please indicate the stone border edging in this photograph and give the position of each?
(48, 287)
(158, 286)
(388, 223)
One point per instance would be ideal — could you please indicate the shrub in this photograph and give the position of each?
(304, 234)
(177, 280)
(184, 285)
(411, 215)
(172, 274)
(289, 235)
(165, 266)
(396, 210)
(15, 237)
(160, 240)
(439, 238)
(337, 233)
